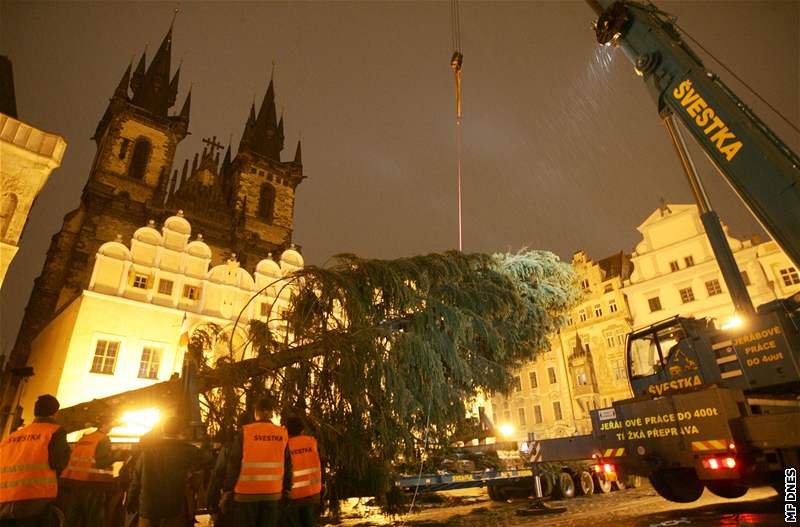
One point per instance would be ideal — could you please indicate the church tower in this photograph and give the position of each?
(242, 207)
(136, 140)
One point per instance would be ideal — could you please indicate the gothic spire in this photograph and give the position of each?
(152, 89)
(122, 87)
(263, 135)
(298, 155)
(138, 74)
(186, 105)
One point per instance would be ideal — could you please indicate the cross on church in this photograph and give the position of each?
(213, 144)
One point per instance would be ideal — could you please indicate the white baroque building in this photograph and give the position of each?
(123, 332)
(675, 273)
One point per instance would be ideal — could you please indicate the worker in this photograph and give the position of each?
(89, 477)
(259, 473)
(306, 492)
(30, 461)
(158, 490)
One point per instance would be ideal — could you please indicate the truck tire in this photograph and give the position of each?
(585, 483)
(602, 485)
(633, 482)
(565, 486)
(496, 492)
(677, 485)
(726, 489)
(547, 484)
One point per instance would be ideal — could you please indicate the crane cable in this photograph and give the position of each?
(456, 61)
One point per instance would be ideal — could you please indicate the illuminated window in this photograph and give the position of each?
(580, 377)
(745, 278)
(568, 322)
(584, 315)
(191, 292)
(148, 366)
(165, 287)
(608, 288)
(598, 310)
(265, 309)
(713, 287)
(557, 411)
(654, 303)
(620, 336)
(673, 266)
(516, 382)
(610, 340)
(534, 380)
(619, 370)
(140, 281)
(612, 306)
(551, 374)
(507, 416)
(521, 413)
(537, 414)
(687, 295)
(790, 276)
(585, 284)
(689, 261)
(105, 357)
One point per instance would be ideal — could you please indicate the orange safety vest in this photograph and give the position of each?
(263, 459)
(25, 472)
(306, 467)
(82, 464)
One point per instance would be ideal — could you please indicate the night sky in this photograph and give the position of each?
(563, 149)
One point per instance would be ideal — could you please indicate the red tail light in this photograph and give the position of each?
(715, 463)
(730, 462)
(608, 468)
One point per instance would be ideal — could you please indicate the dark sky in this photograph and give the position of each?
(563, 149)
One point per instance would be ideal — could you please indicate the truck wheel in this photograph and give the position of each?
(547, 485)
(565, 486)
(677, 485)
(618, 485)
(602, 485)
(585, 483)
(496, 493)
(633, 482)
(726, 489)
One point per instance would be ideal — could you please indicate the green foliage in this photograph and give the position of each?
(399, 347)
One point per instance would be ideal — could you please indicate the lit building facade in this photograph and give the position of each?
(123, 331)
(27, 157)
(584, 368)
(675, 272)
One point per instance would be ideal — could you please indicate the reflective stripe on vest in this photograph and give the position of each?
(25, 472)
(306, 467)
(263, 451)
(82, 464)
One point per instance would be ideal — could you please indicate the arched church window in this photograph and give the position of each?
(266, 203)
(139, 159)
(8, 204)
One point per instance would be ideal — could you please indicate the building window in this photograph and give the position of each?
(568, 322)
(619, 371)
(123, 148)
(620, 336)
(612, 306)
(673, 266)
(165, 287)
(507, 416)
(585, 284)
(105, 357)
(534, 380)
(713, 287)
(139, 158)
(265, 307)
(537, 414)
(140, 281)
(148, 366)
(8, 205)
(192, 292)
(557, 411)
(790, 276)
(522, 422)
(654, 303)
(608, 288)
(687, 295)
(610, 340)
(517, 383)
(745, 278)
(689, 261)
(580, 377)
(551, 374)
(584, 315)
(266, 202)
(598, 311)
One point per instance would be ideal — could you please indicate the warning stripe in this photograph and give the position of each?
(728, 358)
(732, 373)
(614, 452)
(721, 345)
(710, 444)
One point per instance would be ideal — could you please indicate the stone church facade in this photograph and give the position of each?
(242, 204)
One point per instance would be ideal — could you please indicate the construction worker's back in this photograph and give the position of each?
(263, 451)
(25, 472)
(306, 467)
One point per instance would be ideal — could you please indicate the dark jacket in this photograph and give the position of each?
(160, 476)
(234, 466)
(58, 457)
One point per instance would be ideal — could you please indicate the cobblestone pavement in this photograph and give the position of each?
(640, 507)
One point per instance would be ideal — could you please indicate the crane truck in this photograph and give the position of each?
(711, 408)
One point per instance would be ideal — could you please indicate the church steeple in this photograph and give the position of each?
(263, 134)
(153, 90)
(122, 87)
